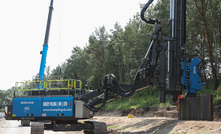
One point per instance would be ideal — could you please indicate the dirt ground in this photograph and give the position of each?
(157, 121)
(154, 121)
(158, 125)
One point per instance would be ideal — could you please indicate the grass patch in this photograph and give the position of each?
(143, 98)
(150, 98)
(113, 126)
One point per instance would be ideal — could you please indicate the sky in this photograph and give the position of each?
(23, 25)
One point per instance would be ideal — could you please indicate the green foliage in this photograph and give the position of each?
(76, 65)
(4, 96)
(216, 94)
(97, 51)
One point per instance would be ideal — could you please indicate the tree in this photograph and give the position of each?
(115, 55)
(98, 42)
(5, 95)
(76, 66)
(203, 14)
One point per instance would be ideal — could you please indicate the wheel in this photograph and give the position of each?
(37, 128)
(25, 122)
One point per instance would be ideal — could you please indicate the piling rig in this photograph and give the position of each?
(64, 106)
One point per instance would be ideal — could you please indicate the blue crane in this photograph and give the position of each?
(45, 47)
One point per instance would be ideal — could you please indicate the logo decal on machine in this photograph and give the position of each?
(56, 104)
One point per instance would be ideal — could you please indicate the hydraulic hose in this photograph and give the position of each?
(98, 100)
(118, 89)
(110, 85)
(150, 21)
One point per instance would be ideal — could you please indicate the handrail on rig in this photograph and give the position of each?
(49, 85)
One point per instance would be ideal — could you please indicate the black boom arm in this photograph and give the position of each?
(145, 76)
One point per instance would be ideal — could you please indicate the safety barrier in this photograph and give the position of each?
(48, 85)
